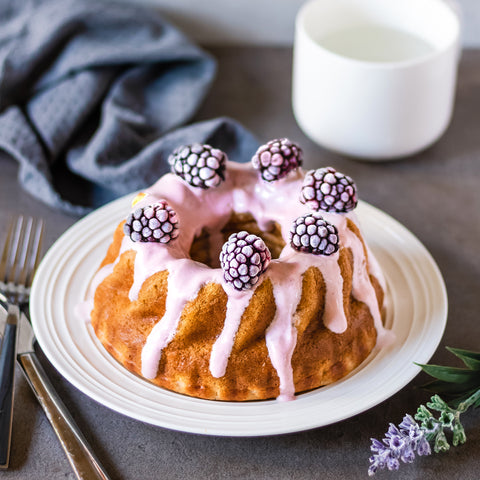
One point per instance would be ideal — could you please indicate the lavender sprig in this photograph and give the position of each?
(410, 438)
(399, 444)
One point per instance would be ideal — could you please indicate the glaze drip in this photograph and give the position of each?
(281, 335)
(242, 192)
(222, 348)
(185, 277)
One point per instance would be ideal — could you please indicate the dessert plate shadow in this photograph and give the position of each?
(417, 315)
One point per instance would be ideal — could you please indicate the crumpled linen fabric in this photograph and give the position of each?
(94, 96)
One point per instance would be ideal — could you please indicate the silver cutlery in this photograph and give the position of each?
(79, 453)
(17, 266)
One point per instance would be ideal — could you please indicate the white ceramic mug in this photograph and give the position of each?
(375, 108)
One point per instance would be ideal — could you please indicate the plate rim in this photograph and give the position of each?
(51, 265)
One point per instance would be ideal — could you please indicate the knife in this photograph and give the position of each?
(83, 461)
(7, 374)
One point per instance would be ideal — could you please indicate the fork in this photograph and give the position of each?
(17, 265)
(21, 254)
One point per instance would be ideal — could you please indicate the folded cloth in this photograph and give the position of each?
(94, 96)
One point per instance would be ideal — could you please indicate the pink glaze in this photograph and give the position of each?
(286, 275)
(334, 315)
(222, 348)
(243, 191)
(375, 269)
(362, 287)
(373, 265)
(150, 259)
(281, 335)
(185, 278)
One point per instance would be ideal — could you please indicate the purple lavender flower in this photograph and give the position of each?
(408, 455)
(400, 444)
(396, 441)
(417, 435)
(423, 447)
(379, 460)
(393, 463)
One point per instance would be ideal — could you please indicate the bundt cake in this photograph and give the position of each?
(236, 282)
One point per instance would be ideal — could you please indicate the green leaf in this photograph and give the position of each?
(450, 374)
(439, 386)
(469, 358)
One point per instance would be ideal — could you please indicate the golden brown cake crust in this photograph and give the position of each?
(320, 357)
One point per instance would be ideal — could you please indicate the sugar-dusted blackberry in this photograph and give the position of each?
(199, 165)
(310, 233)
(328, 190)
(244, 257)
(276, 158)
(154, 223)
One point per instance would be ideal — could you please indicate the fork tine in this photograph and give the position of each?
(21, 255)
(19, 271)
(7, 259)
(16, 252)
(35, 252)
(27, 252)
(6, 249)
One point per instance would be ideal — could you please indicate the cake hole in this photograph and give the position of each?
(206, 247)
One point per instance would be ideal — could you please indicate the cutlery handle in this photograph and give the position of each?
(7, 374)
(79, 453)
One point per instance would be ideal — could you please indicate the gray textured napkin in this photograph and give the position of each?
(95, 95)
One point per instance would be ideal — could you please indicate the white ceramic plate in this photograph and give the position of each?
(417, 316)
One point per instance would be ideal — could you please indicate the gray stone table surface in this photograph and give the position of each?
(434, 194)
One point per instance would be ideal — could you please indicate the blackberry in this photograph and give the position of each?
(328, 190)
(244, 257)
(154, 223)
(312, 234)
(199, 165)
(277, 158)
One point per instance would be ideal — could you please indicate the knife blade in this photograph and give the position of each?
(7, 375)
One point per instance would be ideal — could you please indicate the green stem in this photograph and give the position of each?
(462, 407)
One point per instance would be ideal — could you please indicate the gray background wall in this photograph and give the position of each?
(265, 22)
